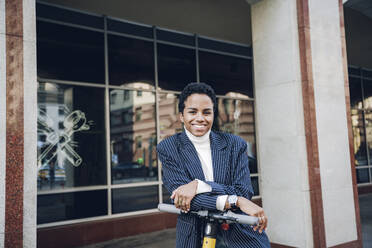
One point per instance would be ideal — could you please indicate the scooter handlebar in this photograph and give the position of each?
(239, 218)
(169, 208)
(243, 219)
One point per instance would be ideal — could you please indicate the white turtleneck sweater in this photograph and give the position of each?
(202, 145)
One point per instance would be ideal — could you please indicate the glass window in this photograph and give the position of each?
(131, 62)
(224, 46)
(367, 73)
(73, 153)
(237, 117)
(134, 199)
(226, 74)
(255, 185)
(129, 28)
(166, 196)
(367, 87)
(65, 15)
(360, 148)
(168, 115)
(133, 141)
(69, 206)
(363, 175)
(68, 53)
(176, 67)
(355, 86)
(368, 126)
(175, 37)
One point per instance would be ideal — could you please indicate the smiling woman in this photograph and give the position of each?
(198, 114)
(208, 170)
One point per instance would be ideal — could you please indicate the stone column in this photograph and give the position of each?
(302, 117)
(18, 116)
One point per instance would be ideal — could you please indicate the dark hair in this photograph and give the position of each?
(199, 88)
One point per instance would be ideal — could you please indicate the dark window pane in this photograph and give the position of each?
(73, 153)
(176, 67)
(175, 37)
(224, 47)
(362, 175)
(354, 71)
(134, 199)
(168, 115)
(355, 86)
(367, 73)
(227, 75)
(131, 62)
(64, 15)
(255, 185)
(252, 163)
(166, 196)
(129, 28)
(68, 53)
(367, 87)
(69, 206)
(357, 121)
(133, 137)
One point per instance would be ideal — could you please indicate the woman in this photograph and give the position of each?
(208, 170)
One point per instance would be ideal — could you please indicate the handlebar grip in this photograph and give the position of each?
(243, 219)
(169, 208)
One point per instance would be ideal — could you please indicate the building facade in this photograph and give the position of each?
(88, 90)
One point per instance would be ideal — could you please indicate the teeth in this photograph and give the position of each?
(199, 126)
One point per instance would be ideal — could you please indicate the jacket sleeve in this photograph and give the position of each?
(174, 175)
(241, 181)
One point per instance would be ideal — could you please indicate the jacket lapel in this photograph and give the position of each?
(220, 157)
(190, 157)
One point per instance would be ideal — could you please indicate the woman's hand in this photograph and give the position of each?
(183, 195)
(252, 209)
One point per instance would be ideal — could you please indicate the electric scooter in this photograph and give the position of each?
(213, 219)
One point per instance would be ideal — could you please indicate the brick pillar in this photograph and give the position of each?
(18, 109)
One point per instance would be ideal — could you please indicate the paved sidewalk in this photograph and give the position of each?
(161, 239)
(166, 238)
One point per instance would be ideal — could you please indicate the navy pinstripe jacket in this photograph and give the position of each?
(180, 165)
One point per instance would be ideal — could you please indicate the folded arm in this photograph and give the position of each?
(175, 176)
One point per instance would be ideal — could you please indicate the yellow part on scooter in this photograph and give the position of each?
(209, 242)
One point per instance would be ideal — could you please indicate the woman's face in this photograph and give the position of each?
(197, 115)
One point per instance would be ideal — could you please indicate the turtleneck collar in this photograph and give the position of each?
(198, 140)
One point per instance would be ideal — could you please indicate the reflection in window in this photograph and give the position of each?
(71, 149)
(255, 186)
(360, 151)
(168, 115)
(133, 138)
(368, 126)
(131, 62)
(134, 199)
(176, 67)
(367, 87)
(355, 93)
(68, 53)
(226, 73)
(237, 117)
(363, 175)
(69, 206)
(138, 113)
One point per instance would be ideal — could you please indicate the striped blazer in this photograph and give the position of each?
(180, 165)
